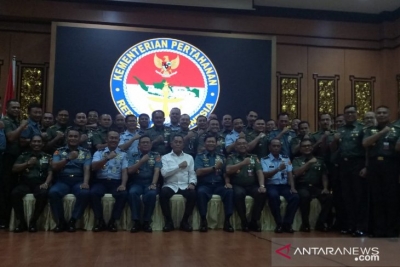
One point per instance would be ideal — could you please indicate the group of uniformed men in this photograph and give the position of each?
(353, 169)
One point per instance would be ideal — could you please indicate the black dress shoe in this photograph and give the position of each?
(203, 226)
(305, 229)
(322, 228)
(278, 229)
(135, 227)
(147, 227)
(21, 227)
(245, 227)
(359, 233)
(185, 226)
(3, 226)
(346, 232)
(60, 227)
(169, 226)
(99, 226)
(112, 227)
(228, 227)
(288, 229)
(253, 226)
(32, 227)
(71, 225)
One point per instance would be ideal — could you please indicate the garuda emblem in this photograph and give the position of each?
(166, 66)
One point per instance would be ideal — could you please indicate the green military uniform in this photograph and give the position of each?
(247, 175)
(30, 180)
(261, 149)
(296, 141)
(190, 145)
(309, 186)
(13, 147)
(245, 182)
(8, 179)
(383, 171)
(318, 151)
(88, 143)
(354, 187)
(99, 137)
(248, 129)
(331, 162)
(162, 147)
(311, 177)
(52, 133)
(224, 133)
(220, 148)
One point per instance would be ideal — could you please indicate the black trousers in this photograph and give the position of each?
(307, 193)
(166, 194)
(17, 203)
(239, 199)
(383, 176)
(8, 180)
(338, 202)
(355, 193)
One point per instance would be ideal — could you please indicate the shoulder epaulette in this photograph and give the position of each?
(85, 149)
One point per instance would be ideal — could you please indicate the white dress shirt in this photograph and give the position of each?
(175, 177)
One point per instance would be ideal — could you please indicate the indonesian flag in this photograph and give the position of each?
(9, 94)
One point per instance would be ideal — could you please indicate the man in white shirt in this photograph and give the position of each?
(179, 178)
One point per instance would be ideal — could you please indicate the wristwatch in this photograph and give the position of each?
(263, 186)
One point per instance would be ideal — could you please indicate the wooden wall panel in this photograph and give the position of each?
(293, 59)
(362, 64)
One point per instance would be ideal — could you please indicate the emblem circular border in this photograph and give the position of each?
(118, 78)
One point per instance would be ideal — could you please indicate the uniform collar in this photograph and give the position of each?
(11, 119)
(234, 132)
(127, 132)
(106, 149)
(173, 154)
(30, 153)
(271, 157)
(32, 122)
(211, 154)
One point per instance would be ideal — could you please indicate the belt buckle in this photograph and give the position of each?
(71, 176)
(108, 179)
(309, 184)
(381, 158)
(345, 159)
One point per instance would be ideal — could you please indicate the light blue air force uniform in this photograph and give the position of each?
(108, 179)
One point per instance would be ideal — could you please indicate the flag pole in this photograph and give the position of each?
(14, 65)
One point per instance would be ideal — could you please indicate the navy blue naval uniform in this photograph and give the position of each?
(108, 179)
(278, 186)
(212, 183)
(139, 183)
(69, 181)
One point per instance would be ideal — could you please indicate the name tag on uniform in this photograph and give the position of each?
(271, 167)
(385, 145)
